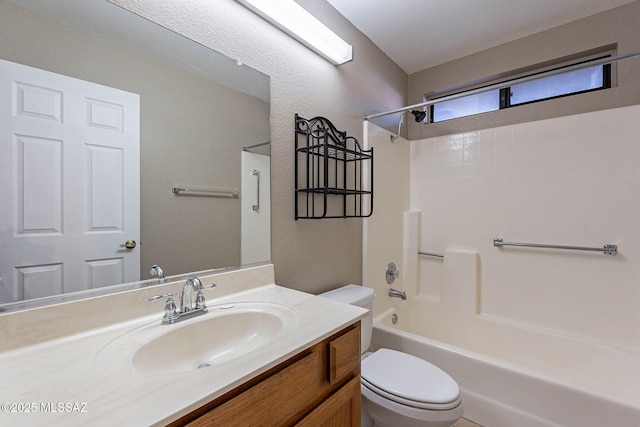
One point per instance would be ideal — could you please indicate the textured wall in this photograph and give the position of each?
(619, 25)
(309, 255)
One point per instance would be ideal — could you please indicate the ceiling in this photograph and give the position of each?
(419, 34)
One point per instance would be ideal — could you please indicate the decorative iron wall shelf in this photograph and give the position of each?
(334, 175)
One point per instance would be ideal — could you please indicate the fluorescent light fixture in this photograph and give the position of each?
(294, 20)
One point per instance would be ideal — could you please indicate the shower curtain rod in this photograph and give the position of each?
(502, 85)
(255, 146)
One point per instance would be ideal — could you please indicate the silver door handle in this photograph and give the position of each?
(129, 244)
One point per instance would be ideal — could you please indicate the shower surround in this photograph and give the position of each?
(565, 181)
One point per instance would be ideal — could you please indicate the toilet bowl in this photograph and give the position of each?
(399, 389)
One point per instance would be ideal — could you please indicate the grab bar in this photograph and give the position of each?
(431, 254)
(606, 249)
(256, 207)
(204, 192)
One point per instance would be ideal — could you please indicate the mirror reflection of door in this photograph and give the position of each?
(69, 169)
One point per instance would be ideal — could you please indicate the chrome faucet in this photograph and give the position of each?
(156, 270)
(191, 286)
(188, 306)
(397, 294)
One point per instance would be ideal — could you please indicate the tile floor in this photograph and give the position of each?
(463, 422)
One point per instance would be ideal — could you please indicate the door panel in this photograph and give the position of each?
(104, 272)
(38, 102)
(39, 185)
(30, 278)
(105, 115)
(105, 181)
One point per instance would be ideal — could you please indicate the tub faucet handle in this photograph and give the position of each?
(391, 273)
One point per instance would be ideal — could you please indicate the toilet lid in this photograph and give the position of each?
(409, 378)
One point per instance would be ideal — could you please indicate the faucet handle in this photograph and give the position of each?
(168, 296)
(170, 314)
(200, 302)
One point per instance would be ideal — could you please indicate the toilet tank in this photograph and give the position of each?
(361, 297)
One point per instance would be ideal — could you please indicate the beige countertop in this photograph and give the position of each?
(68, 380)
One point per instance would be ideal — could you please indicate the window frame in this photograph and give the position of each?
(505, 93)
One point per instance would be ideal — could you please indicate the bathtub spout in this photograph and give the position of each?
(397, 294)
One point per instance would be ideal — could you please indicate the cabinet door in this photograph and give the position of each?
(344, 356)
(342, 409)
(274, 401)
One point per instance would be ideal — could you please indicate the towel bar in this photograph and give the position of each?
(606, 249)
(431, 254)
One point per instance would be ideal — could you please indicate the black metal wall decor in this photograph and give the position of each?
(333, 173)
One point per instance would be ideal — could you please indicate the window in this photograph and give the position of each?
(565, 84)
(570, 83)
(466, 106)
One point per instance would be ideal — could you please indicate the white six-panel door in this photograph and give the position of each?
(69, 171)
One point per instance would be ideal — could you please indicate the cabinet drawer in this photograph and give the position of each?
(273, 401)
(342, 409)
(344, 355)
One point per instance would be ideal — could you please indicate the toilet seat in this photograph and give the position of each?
(409, 380)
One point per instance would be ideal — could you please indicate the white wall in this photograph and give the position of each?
(568, 181)
(383, 231)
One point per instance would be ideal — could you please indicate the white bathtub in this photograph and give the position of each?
(512, 375)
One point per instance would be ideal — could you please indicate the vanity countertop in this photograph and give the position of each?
(61, 381)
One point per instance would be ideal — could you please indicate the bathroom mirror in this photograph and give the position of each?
(201, 115)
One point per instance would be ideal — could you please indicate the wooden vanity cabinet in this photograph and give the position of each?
(319, 386)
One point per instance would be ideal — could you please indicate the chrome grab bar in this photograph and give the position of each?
(607, 249)
(180, 190)
(431, 254)
(256, 207)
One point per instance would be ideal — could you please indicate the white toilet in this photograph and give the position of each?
(399, 389)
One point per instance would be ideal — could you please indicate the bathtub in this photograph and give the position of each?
(513, 375)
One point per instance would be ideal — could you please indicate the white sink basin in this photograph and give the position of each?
(226, 333)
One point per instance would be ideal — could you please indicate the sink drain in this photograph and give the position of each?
(203, 365)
